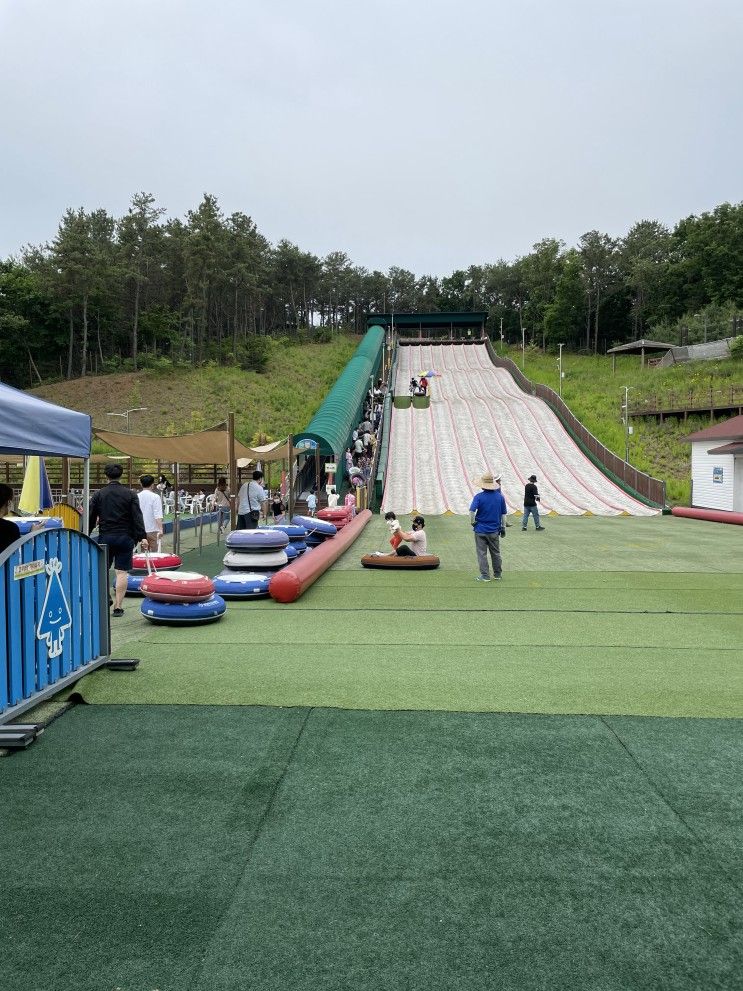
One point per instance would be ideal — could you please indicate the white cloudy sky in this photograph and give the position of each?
(419, 133)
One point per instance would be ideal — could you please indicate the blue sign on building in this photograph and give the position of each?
(717, 475)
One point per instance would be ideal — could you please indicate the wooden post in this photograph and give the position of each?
(233, 469)
(176, 533)
(290, 475)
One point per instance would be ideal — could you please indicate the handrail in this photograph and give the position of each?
(688, 400)
(637, 483)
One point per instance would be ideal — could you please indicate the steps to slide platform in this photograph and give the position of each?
(478, 421)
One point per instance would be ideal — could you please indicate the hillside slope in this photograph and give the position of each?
(595, 395)
(271, 404)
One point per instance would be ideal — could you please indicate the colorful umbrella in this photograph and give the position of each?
(36, 494)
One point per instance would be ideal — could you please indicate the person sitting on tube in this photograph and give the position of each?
(416, 537)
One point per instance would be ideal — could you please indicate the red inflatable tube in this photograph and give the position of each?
(340, 513)
(177, 586)
(713, 515)
(289, 583)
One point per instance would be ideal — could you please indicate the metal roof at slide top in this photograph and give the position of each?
(330, 428)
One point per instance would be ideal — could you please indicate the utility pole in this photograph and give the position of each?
(559, 361)
(626, 423)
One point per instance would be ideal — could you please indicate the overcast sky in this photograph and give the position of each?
(426, 134)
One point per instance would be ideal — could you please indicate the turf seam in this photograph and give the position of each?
(656, 789)
(256, 835)
(565, 612)
(397, 646)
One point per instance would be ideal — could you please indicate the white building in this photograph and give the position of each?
(717, 466)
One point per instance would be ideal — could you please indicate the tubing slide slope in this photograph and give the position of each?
(479, 420)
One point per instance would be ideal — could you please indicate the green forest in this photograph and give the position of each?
(148, 291)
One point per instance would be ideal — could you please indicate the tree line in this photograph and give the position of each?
(146, 290)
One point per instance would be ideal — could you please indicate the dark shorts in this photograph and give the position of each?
(120, 548)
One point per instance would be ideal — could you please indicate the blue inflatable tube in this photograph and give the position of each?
(184, 612)
(133, 584)
(256, 541)
(242, 585)
(313, 525)
(293, 532)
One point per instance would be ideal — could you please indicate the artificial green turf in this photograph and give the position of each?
(233, 847)
(687, 682)
(645, 642)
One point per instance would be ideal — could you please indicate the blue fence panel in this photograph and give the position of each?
(39, 583)
(53, 615)
(4, 658)
(14, 635)
(28, 606)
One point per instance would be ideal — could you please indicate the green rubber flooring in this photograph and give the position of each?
(225, 847)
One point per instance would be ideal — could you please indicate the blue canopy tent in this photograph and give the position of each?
(29, 425)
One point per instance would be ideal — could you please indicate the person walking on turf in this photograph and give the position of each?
(115, 510)
(487, 515)
(250, 500)
(152, 511)
(531, 498)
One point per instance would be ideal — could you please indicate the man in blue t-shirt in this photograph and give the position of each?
(487, 516)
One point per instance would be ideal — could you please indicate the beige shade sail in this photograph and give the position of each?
(207, 447)
(277, 451)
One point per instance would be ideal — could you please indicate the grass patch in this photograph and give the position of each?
(595, 395)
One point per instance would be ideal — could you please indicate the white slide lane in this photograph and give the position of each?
(479, 420)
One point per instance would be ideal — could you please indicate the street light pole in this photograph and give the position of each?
(134, 409)
(626, 423)
(560, 346)
(523, 347)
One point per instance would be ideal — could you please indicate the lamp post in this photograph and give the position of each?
(134, 409)
(523, 346)
(626, 422)
(559, 361)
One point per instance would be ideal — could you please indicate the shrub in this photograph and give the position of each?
(253, 354)
(736, 347)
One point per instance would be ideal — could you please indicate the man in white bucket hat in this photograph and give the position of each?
(487, 512)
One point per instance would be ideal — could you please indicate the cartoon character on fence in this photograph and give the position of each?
(55, 618)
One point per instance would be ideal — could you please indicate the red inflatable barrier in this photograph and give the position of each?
(713, 515)
(289, 583)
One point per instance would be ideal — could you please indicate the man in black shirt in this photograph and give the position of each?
(116, 511)
(531, 498)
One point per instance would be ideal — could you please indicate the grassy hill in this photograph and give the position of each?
(595, 395)
(269, 405)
